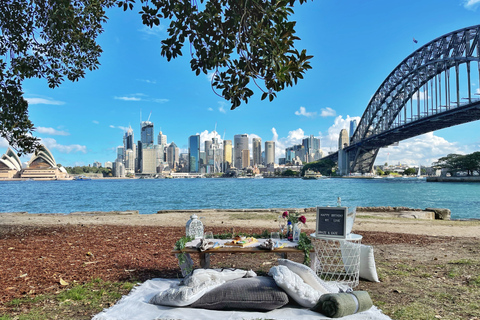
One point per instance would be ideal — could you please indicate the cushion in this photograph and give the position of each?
(258, 293)
(368, 270)
(307, 275)
(294, 286)
(195, 286)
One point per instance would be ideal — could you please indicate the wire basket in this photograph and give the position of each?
(338, 260)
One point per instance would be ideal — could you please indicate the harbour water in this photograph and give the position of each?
(150, 195)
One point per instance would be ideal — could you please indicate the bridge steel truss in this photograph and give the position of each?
(416, 94)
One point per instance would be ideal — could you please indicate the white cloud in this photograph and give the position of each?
(303, 112)
(206, 135)
(471, 4)
(52, 144)
(156, 31)
(160, 100)
(44, 101)
(222, 110)
(210, 76)
(210, 109)
(52, 131)
(147, 81)
(128, 98)
(96, 122)
(329, 142)
(294, 137)
(118, 127)
(420, 150)
(328, 112)
(222, 106)
(419, 94)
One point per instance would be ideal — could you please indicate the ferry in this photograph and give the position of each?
(312, 175)
(81, 178)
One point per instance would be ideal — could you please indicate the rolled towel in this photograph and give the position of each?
(337, 305)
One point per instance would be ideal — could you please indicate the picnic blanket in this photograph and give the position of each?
(136, 306)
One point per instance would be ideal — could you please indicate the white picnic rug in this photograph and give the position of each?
(135, 306)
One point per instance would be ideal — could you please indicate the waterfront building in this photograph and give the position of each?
(108, 164)
(295, 151)
(173, 155)
(257, 151)
(343, 140)
(10, 165)
(146, 131)
(311, 145)
(149, 159)
(245, 158)
(227, 155)
(118, 169)
(240, 143)
(269, 152)
(129, 162)
(42, 166)
(194, 153)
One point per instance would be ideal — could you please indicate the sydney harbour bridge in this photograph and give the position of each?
(430, 90)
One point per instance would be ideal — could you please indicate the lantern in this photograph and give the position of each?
(194, 227)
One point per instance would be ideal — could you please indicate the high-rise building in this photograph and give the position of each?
(149, 160)
(173, 155)
(120, 151)
(240, 143)
(269, 152)
(227, 154)
(245, 158)
(162, 139)
(130, 162)
(311, 145)
(257, 151)
(118, 169)
(343, 139)
(108, 164)
(208, 152)
(353, 127)
(194, 153)
(146, 130)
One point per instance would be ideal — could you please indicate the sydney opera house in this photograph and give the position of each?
(42, 166)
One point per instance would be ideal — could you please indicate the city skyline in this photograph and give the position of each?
(84, 122)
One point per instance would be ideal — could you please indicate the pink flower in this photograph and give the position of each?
(302, 219)
(285, 214)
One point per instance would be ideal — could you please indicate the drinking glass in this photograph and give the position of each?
(208, 236)
(281, 223)
(275, 236)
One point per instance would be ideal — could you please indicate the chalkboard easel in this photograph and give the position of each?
(331, 222)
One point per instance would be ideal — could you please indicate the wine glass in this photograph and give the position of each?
(275, 236)
(281, 223)
(208, 236)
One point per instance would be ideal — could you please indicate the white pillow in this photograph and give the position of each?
(294, 286)
(368, 270)
(308, 276)
(195, 286)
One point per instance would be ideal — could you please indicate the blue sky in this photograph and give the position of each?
(355, 44)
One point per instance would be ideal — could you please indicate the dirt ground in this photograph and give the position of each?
(415, 258)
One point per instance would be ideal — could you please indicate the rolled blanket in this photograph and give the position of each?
(204, 245)
(337, 305)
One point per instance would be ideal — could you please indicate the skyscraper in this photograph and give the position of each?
(343, 139)
(208, 152)
(353, 127)
(173, 155)
(227, 154)
(257, 151)
(146, 130)
(269, 152)
(240, 143)
(245, 158)
(162, 139)
(194, 153)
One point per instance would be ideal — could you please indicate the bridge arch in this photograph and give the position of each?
(420, 87)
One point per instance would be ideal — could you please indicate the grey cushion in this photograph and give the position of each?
(257, 293)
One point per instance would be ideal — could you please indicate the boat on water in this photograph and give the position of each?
(312, 175)
(81, 178)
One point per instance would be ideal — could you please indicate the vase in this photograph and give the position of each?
(297, 228)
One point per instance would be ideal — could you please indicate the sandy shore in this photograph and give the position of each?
(260, 219)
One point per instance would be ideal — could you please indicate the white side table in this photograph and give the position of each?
(338, 259)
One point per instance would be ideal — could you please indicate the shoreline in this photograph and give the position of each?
(233, 218)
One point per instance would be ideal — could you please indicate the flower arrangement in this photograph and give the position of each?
(294, 217)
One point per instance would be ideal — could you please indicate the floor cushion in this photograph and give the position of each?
(258, 293)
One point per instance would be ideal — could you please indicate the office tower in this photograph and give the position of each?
(257, 151)
(129, 144)
(120, 151)
(269, 152)
(208, 152)
(149, 160)
(227, 154)
(146, 130)
(162, 139)
(240, 143)
(129, 162)
(194, 153)
(118, 169)
(245, 158)
(353, 127)
(343, 139)
(311, 145)
(172, 155)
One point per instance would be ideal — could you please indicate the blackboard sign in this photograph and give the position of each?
(331, 222)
